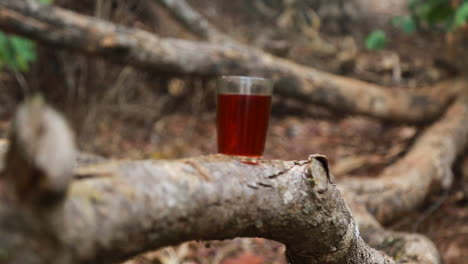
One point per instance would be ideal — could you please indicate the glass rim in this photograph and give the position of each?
(239, 77)
(238, 84)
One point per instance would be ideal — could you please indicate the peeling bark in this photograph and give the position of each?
(56, 26)
(426, 169)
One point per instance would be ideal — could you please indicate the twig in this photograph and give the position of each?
(192, 20)
(430, 210)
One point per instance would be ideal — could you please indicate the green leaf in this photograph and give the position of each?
(433, 12)
(407, 24)
(25, 52)
(16, 52)
(376, 40)
(24, 47)
(7, 51)
(3, 48)
(440, 14)
(461, 15)
(396, 21)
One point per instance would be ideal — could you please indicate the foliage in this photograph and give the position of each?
(17, 53)
(444, 15)
(461, 15)
(406, 23)
(376, 40)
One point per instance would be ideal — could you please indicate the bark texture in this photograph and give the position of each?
(424, 170)
(56, 26)
(155, 204)
(403, 247)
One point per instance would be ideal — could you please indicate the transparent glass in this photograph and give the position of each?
(243, 113)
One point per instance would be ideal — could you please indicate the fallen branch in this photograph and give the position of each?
(403, 247)
(426, 169)
(117, 209)
(464, 173)
(214, 197)
(192, 20)
(40, 161)
(56, 26)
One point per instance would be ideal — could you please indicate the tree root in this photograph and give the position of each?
(426, 169)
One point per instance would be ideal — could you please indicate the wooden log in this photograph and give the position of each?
(116, 209)
(40, 161)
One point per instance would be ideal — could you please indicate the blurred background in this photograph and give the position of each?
(123, 112)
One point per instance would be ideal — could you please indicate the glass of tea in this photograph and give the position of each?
(243, 112)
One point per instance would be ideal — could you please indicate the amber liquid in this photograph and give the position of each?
(242, 124)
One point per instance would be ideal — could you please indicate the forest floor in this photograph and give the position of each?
(355, 146)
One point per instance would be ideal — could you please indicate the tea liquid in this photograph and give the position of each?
(242, 124)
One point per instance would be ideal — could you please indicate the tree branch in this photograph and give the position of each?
(192, 20)
(160, 203)
(56, 26)
(223, 199)
(40, 161)
(424, 170)
(464, 173)
(403, 247)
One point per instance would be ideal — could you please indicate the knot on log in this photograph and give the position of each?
(319, 174)
(41, 156)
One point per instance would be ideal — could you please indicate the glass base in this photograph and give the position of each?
(251, 160)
